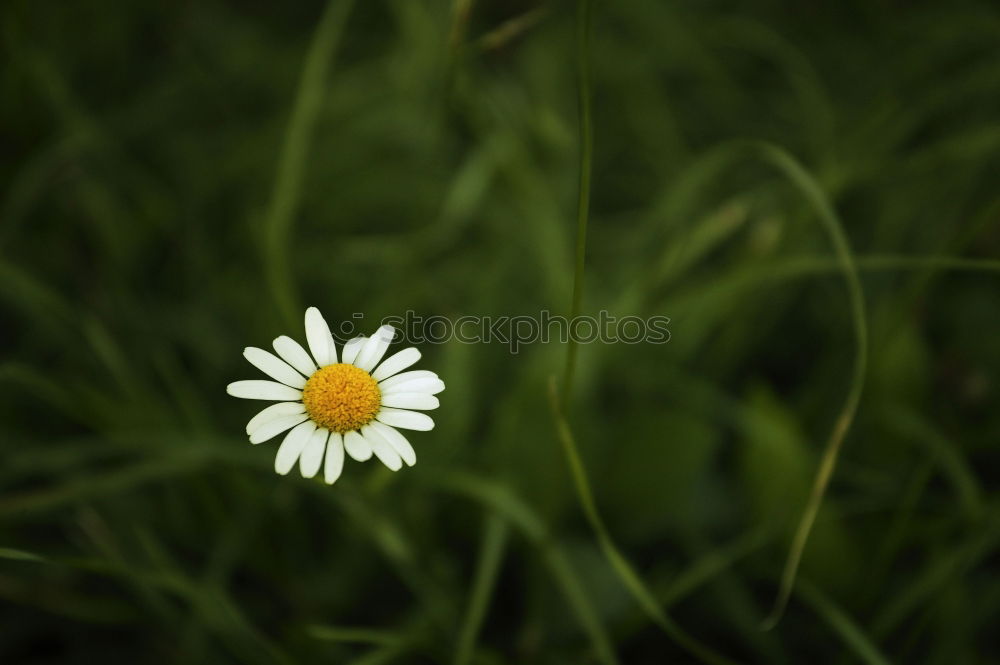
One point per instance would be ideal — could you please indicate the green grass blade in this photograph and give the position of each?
(25, 505)
(19, 555)
(808, 186)
(503, 501)
(953, 465)
(711, 565)
(490, 556)
(629, 577)
(845, 627)
(940, 571)
(353, 635)
(583, 28)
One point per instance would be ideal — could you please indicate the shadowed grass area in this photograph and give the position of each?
(178, 181)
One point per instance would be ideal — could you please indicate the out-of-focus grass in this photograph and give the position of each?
(178, 179)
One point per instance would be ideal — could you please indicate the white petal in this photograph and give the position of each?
(275, 411)
(406, 419)
(319, 338)
(274, 367)
(295, 441)
(397, 441)
(334, 458)
(351, 349)
(357, 447)
(273, 428)
(294, 355)
(373, 350)
(396, 363)
(407, 376)
(259, 389)
(430, 386)
(421, 401)
(312, 456)
(382, 448)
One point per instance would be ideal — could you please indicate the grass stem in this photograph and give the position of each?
(583, 28)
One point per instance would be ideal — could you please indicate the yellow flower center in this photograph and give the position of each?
(341, 397)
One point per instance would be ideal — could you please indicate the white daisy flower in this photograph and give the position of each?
(327, 407)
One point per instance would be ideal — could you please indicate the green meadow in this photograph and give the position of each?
(806, 472)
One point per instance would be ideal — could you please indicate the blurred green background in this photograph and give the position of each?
(179, 180)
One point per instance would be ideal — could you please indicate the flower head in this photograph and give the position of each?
(327, 407)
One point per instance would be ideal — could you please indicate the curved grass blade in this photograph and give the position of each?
(25, 505)
(210, 606)
(500, 499)
(806, 184)
(583, 28)
(20, 555)
(630, 578)
(921, 590)
(711, 565)
(494, 543)
(945, 454)
(511, 29)
(848, 630)
(43, 303)
(352, 635)
(734, 284)
(395, 545)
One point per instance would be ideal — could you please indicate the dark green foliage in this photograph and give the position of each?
(180, 181)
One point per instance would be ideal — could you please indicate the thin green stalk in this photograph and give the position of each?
(490, 555)
(583, 27)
